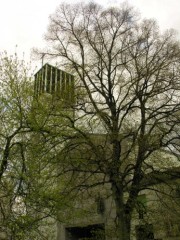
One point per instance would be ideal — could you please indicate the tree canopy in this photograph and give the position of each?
(127, 90)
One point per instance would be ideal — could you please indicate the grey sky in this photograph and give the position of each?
(23, 22)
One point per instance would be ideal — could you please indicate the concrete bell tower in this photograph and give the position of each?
(53, 81)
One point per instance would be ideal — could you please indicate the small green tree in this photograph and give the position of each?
(29, 180)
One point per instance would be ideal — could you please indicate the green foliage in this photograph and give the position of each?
(30, 137)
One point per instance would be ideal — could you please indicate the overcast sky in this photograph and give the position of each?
(23, 22)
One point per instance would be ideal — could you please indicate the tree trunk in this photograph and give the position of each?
(123, 221)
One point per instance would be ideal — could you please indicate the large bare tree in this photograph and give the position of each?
(127, 90)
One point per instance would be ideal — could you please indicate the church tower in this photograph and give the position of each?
(53, 81)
